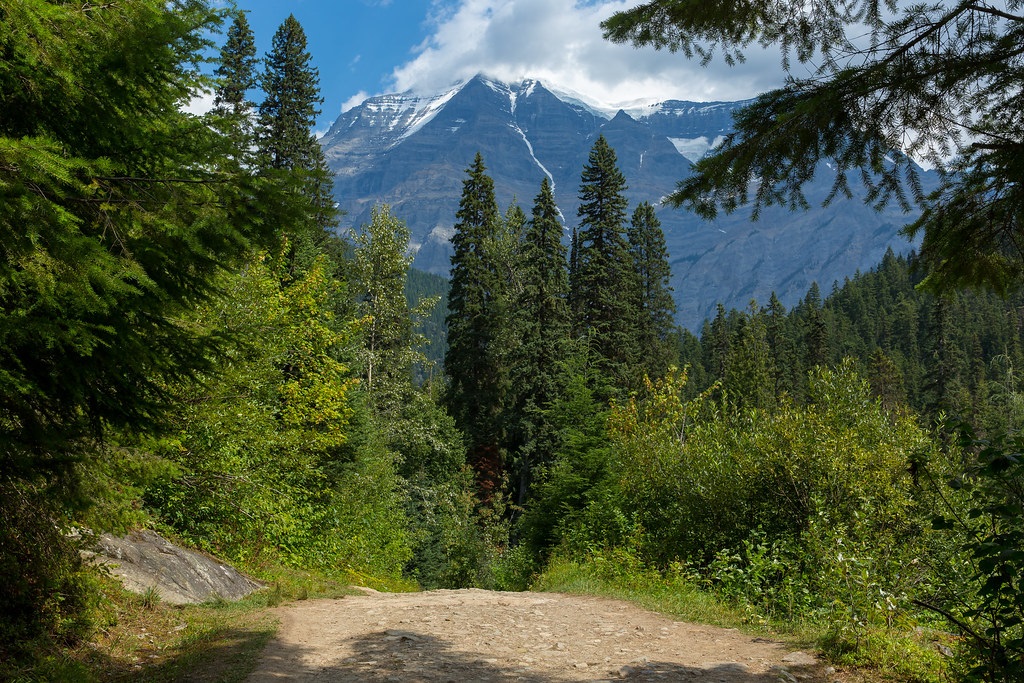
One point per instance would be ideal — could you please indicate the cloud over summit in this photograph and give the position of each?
(560, 41)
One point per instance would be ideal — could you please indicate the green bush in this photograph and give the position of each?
(981, 515)
(806, 512)
(47, 595)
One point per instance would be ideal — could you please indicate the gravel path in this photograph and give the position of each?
(475, 635)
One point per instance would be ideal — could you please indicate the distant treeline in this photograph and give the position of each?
(955, 354)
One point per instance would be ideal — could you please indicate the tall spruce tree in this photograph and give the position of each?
(476, 377)
(656, 326)
(605, 286)
(749, 368)
(541, 318)
(232, 111)
(781, 344)
(815, 328)
(236, 72)
(286, 119)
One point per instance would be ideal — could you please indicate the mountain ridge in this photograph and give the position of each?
(411, 151)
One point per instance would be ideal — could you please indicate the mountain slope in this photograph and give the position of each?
(411, 152)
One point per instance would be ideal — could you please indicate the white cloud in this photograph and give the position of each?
(354, 101)
(201, 102)
(560, 41)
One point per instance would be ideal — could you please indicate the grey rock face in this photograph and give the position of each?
(144, 560)
(411, 152)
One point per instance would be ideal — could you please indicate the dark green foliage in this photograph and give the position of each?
(541, 324)
(289, 110)
(657, 309)
(476, 377)
(117, 215)
(236, 71)
(120, 214)
(940, 81)
(571, 484)
(749, 366)
(955, 354)
(815, 328)
(781, 348)
(988, 523)
(47, 590)
(285, 134)
(604, 284)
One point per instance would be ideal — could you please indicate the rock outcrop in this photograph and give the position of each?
(144, 560)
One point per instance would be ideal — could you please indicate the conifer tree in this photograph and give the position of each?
(657, 309)
(237, 69)
(815, 328)
(939, 80)
(605, 285)
(117, 217)
(781, 345)
(232, 112)
(541, 317)
(717, 344)
(476, 378)
(749, 369)
(118, 212)
(286, 119)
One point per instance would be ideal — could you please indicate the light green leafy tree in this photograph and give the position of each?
(261, 444)
(390, 347)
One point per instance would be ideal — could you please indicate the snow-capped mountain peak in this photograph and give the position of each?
(411, 150)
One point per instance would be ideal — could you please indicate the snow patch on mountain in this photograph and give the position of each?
(695, 148)
(424, 110)
(533, 156)
(575, 99)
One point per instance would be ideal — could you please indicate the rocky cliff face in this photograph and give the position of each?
(411, 152)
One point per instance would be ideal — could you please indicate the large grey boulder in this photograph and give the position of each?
(143, 560)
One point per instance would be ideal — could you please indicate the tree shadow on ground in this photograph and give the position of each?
(223, 654)
(397, 656)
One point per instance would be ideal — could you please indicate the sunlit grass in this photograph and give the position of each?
(142, 638)
(873, 655)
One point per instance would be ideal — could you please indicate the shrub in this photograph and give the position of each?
(46, 594)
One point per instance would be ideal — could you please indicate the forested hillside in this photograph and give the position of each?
(954, 354)
(187, 343)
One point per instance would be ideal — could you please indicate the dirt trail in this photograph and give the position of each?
(474, 635)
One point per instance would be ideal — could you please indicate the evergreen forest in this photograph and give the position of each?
(191, 341)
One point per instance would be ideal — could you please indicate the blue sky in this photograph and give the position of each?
(355, 44)
(369, 47)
